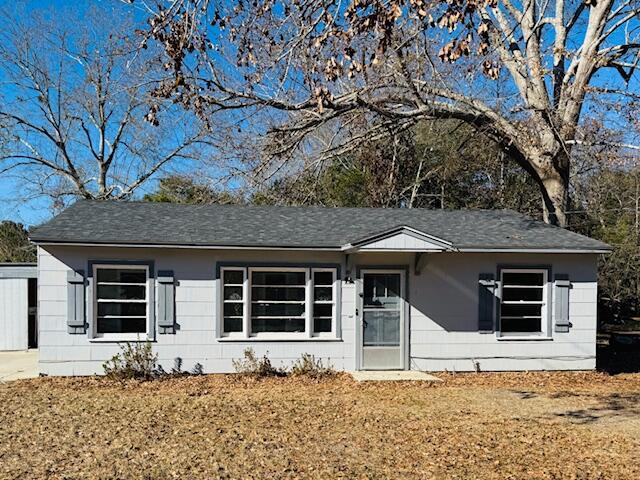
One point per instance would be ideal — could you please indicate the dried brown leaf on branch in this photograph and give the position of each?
(520, 74)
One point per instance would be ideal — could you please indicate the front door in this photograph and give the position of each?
(382, 320)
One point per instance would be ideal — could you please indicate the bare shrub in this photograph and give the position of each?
(252, 366)
(307, 365)
(136, 360)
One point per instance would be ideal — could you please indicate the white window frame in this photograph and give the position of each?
(245, 293)
(307, 313)
(544, 310)
(124, 337)
(334, 302)
(247, 301)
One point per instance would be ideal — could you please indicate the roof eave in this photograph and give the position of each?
(547, 250)
(347, 248)
(66, 243)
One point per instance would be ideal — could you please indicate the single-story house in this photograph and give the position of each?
(361, 288)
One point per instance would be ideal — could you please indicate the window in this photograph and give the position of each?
(233, 300)
(323, 300)
(523, 302)
(278, 302)
(121, 301)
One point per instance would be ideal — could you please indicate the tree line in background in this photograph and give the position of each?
(15, 246)
(436, 165)
(527, 106)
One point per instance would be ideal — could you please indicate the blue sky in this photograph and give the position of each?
(12, 203)
(15, 202)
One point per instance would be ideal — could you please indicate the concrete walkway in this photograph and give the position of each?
(17, 365)
(393, 376)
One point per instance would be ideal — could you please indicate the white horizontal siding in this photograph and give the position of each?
(500, 365)
(442, 337)
(196, 298)
(444, 332)
(443, 314)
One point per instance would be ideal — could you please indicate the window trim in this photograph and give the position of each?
(121, 337)
(307, 296)
(308, 334)
(334, 302)
(546, 331)
(245, 290)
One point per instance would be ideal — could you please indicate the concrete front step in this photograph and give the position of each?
(393, 376)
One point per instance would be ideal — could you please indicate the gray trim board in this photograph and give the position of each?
(18, 270)
(549, 250)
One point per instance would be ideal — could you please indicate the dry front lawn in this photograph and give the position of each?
(472, 426)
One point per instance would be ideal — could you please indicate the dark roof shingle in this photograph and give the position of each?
(142, 223)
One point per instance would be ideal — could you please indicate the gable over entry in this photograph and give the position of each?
(400, 239)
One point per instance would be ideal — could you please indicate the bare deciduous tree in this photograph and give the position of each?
(75, 112)
(527, 73)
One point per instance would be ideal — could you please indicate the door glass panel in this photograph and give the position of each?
(381, 290)
(382, 328)
(381, 312)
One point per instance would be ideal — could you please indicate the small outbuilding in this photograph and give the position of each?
(18, 304)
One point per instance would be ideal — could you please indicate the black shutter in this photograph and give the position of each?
(486, 302)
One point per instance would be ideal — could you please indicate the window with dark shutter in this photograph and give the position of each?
(121, 299)
(523, 302)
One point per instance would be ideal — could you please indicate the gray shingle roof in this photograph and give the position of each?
(143, 223)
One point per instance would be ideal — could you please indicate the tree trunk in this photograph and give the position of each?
(555, 196)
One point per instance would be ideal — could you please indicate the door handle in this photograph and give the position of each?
(365, 324)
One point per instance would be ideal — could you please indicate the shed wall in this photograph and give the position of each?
(14, 304)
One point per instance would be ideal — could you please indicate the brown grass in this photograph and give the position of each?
(472, 426)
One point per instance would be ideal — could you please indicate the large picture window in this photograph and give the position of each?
(523, 302)
(273, 302)
(121, 301)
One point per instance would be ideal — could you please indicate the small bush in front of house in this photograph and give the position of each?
(136, 360)
(197, 369)
(310, 366)
(252, 366)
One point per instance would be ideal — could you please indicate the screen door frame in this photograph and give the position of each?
(403, 271)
